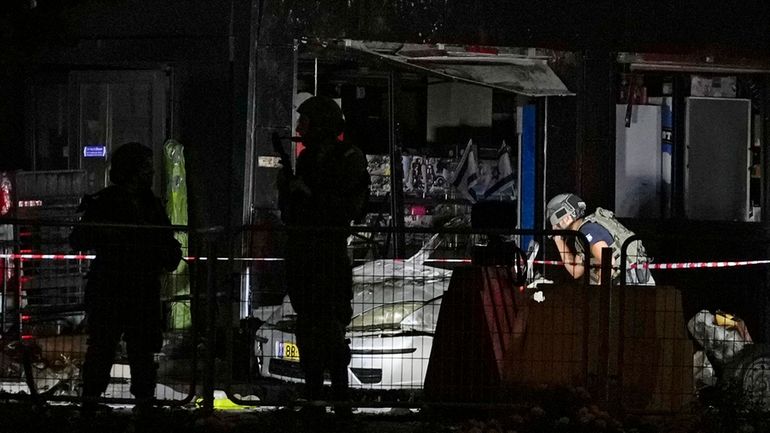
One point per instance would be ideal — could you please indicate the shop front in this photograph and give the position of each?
(422, 114)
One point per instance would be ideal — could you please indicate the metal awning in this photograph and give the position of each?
(698, 63)
(511, 73)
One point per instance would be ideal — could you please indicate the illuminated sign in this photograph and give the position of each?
(30, 203)
(94, 151)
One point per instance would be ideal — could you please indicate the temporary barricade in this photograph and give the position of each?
(464, 317)
(689, 337)
(444, 325)
(43, 310)
(458, 319)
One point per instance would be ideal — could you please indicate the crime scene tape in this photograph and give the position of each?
(682, 265)
(659, 266)
(31, 256)
(696, 265)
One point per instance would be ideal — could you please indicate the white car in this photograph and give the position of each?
(395, 309)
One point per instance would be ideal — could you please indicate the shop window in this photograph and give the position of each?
(74, 120)
(47, 125)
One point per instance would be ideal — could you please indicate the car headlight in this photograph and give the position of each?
(384, 317)
(423, 319)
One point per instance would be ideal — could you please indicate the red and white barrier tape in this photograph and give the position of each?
(660, 266)
(683, 265)
(28, 256)
(697, 265)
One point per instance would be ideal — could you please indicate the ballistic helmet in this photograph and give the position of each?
(563, 205)
(324, 114)
(127, 160)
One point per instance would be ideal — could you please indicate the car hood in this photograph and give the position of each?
(387, 281)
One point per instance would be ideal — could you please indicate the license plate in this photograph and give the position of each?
(287, 350)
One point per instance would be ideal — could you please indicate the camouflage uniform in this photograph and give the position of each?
(122, 295)
(318, 269)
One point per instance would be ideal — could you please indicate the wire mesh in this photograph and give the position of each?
(47, 321)
(456, 319)
(462, 318)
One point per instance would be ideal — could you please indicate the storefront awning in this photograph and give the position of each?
(698, 63)
(521, 75)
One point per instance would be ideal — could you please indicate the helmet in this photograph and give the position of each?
(324, 114)
(127, 160)
(563, 205)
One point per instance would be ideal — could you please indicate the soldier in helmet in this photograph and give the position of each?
(602, 230)
(122, 294)
(328, 191)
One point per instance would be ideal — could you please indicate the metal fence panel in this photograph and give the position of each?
(452, 322)
(458, 320)
(676, 345)
(45, 327)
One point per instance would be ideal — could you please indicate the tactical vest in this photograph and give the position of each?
(635, 252)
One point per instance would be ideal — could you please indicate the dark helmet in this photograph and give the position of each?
(127, 160)
(324, 114)
(563, 205)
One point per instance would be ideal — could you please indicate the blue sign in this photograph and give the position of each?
(94, 151)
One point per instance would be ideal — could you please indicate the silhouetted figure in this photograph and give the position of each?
(329, 189)
(122, 294)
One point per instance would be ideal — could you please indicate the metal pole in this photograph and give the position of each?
(208, 370)
(605, 301)
(6, 267)
(545, 162)
(251, 110)
(396, 172)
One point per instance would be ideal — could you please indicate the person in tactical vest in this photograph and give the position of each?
(328, 191)
(602, 230)
(122, 293)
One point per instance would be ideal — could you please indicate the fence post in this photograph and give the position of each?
(211, 310)
(6, 268)
(621, 321)
(604, 322)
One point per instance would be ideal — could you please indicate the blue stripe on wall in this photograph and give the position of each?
(528, 170)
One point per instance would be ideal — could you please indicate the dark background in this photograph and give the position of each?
(207, 45)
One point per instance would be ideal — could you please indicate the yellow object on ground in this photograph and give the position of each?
(726, 319)
(221, 402)
(729, 320)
